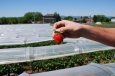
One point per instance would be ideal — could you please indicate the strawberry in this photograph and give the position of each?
(58, 37)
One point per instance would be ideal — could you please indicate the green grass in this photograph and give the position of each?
(104, 24)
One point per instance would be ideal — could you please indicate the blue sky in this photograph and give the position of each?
(17, 8)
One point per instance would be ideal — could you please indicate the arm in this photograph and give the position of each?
(75, 30)
(103, 35)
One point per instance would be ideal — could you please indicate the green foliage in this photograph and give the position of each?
(32, 16)
(105, 24)
(36, 44)
(75, 18)
(101, 57)
(84, 21)
(85, 17)
(68, 18)
(27, 18)
(95, 18)
(3, 20)
(38, 16)
(113, 17)
(57, 17)
(21, 20)
(12, 20)
(107, 20)
(100, 18)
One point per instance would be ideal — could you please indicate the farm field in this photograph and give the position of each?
(105, 24)
(101, 56)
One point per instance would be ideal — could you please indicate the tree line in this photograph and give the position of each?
(30, 17)
(96, 18)
(101, 18)
(27, 18)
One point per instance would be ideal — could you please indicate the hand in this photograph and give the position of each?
(74, 30)
(70, 29)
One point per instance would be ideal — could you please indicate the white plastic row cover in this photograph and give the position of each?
(15, 55)
(91, 69)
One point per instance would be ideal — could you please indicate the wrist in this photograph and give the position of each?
(82, 29)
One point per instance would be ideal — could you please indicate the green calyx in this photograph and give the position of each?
(58, 32)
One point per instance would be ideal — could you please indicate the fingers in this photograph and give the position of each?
(62, 29)
(68, 31)
(59, 24)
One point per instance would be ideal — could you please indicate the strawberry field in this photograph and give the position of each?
(43, 65)
(102, 57)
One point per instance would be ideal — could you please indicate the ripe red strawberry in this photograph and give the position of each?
(58, 37)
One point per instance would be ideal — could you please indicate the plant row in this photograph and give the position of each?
(102, 57)
(36, 44)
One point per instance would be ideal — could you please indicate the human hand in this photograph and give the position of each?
(70, 29)
(74, 30)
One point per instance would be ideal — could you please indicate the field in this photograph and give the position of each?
(101, 57)
(104, 24)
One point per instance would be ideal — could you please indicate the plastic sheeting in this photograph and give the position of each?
(92, 69)
(21, 33)
(13, 41)
(29, 33)
(15, 55)
(77, 40)
(12, 55)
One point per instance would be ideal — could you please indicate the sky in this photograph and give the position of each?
(17, 8)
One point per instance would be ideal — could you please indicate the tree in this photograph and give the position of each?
(85, 17)
(100, 18)
(13, 20)
(75, 18)
(38, 16)
(95, 18)
(20, 19)
(57, 17)
(28, 17)
(32, 16)
(3, 20)
(0, 21)
(68, 18)
(84, 21)
(107, 20)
